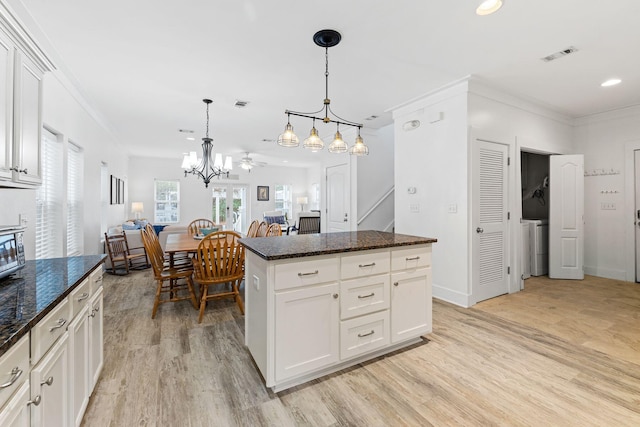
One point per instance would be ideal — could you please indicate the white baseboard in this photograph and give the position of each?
(607, 273)
(454, 297)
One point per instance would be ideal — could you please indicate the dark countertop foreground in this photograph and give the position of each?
(295, 246)
(32, 292)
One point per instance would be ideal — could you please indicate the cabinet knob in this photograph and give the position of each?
(395, 283)
(35, 401)
(48, 381)
(335, 296)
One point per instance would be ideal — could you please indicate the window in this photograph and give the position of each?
(284, 199)
(49, 199)
(75, 173)
(167, 202)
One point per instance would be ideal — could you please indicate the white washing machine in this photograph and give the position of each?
(538, 246)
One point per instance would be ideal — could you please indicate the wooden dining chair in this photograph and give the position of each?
(120, 256)
(180, 259)
(170, 280)
(219, 261)
(253, 228)
(262, 229)
(195, 225)
(273, 230)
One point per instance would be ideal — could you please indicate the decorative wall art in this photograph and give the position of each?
(263, 193)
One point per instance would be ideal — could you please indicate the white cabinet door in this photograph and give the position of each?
(410, 304)
(16, 412)
(79, 391)
(50, 381)
(6, 106)
(307, 330)
(96, 355)
(27, 121)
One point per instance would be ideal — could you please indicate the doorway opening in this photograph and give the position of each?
(229, 206)
(535, 214)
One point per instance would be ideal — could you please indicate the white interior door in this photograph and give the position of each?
(566, 217)
(636, 154)
(338, 199)
(490, 225)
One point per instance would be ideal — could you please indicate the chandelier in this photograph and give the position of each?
(326, 39)
(206, 167)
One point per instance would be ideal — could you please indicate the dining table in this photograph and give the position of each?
(183, 242)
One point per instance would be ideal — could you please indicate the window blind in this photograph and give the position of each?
(49, 199)
(75, 227)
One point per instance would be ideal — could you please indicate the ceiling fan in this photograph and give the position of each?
(247, 163)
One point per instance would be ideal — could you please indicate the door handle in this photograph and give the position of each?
(479, 230)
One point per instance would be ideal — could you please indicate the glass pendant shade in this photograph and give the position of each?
(288, 138)
(359, 149)
(487, 7)
(313, 143)
(338, 145)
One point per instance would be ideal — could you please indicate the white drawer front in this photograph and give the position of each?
(79, 297)
(307, 271)
(14, 369)
(365, 263)
(96, 279)
(411, 258)
(364, 334)
(48, 330)
(363, 296)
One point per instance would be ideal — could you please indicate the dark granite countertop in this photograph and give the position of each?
(32, 292)
(295, 246)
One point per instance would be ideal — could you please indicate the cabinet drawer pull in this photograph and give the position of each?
(60, 324)
(36, 401)
(24, 171)
(366, 265)
(15, 374)
(83, 297)
(48, 381)
(365, 335)
(366, 296)
(415, 258)
(307, 274)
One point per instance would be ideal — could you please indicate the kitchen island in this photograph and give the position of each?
(315, 304)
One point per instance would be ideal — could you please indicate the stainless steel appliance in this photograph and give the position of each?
(11, 249)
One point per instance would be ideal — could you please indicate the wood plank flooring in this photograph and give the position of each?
(481, 366)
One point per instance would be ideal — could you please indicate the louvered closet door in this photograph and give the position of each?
(490, 229)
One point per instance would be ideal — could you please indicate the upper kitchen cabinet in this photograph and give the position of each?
(22, 67)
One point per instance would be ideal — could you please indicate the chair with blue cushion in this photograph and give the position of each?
(195, 226)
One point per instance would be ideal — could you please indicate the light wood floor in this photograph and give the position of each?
(489, 365)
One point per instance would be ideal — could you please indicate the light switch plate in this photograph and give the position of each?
(414, 208)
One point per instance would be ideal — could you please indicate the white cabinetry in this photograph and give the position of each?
(96, 355)
(307, 317)
(16, 412)
(50, 385)
(22, 66)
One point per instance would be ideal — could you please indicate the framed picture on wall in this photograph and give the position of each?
(114, 190)
(263, 193)
(121, 192)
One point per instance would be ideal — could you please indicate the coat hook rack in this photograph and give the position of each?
(600, 172)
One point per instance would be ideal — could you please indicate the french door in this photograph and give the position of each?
(229, 206)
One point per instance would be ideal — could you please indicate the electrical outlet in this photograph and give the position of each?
(414, 208)
(22, 219)
(608, 206)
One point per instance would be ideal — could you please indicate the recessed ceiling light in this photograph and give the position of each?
(611, 82)
(285, 161)
(190, 138)
(487, 7)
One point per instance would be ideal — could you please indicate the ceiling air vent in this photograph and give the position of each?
(240, 104)
(560, 54)
(372, 117)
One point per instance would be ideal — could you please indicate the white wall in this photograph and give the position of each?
(195, 199)
(433, 159)
(375, 177)
(608, 141)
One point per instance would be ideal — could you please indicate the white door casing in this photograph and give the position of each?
(489, 220)
(636, 221)
(338, 199)
(566, 216)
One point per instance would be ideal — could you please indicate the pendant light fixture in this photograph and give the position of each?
(206, 168)
(326, 39)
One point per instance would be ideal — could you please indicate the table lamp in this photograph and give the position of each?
(302, 201)
(137, 208)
